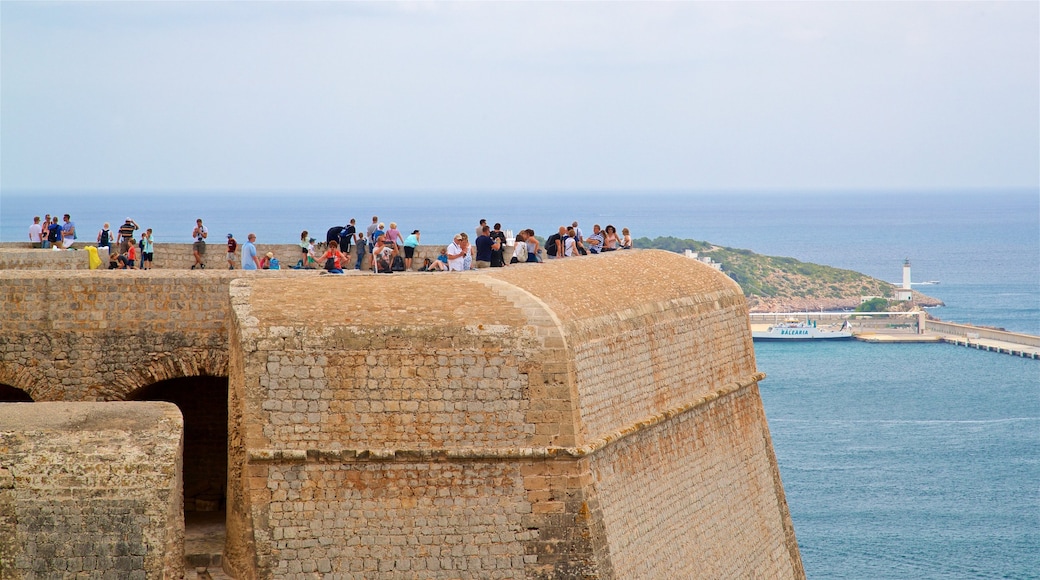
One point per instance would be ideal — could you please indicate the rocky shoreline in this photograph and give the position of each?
(809, 304)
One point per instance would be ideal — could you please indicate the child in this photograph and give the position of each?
(147, 250)
(333, 258)
(131, 256)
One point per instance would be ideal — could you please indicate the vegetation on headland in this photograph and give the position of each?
(774, 284)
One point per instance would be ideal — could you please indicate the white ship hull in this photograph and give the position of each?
(801, 331)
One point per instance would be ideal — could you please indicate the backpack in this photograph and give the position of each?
(398, 264)
(103, 239)
(550, 245)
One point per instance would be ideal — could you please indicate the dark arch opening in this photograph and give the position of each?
(203, 403)
(9, 394)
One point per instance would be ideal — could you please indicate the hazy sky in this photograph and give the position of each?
(521, 95)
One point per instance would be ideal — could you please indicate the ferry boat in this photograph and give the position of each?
(798, 330)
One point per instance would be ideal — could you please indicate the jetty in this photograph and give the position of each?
(913, 327)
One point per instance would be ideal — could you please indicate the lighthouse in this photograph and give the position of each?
(905, 294)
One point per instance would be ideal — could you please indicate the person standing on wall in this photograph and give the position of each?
(126, 231)
(45, 231)
(410, 243)
(68, 232)
(232, 245)
(346, 237)
(36, 233)
(198, 248)
(249, 259)
(104, 237)
(147, 250)
(498, 256)
(54, 234)
(486, 247)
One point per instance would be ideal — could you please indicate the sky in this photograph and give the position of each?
(356, 96)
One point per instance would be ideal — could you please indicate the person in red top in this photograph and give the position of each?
(333, 258)
(232, 245)
(126, 260)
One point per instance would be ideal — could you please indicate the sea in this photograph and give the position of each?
(898, 460)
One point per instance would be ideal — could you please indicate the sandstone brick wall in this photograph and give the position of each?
(710, 473)
(99, 336)
(502, 423)
(90, 490)
(21, 257)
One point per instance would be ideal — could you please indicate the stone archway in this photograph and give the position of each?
(9, 394)
(202, 401)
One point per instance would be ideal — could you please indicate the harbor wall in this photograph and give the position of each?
(966, 330)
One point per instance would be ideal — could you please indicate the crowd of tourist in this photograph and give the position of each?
(121, 248)
(387, 248)
(390, 251)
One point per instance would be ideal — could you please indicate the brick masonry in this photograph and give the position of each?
(548, 421)
(594, 417)
(90, 490)
(100, 336)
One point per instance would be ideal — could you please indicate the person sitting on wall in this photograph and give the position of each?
(333, 258)
(533, 249)
(519, 249)
(383, 255)
(440, 264)
(594, 243)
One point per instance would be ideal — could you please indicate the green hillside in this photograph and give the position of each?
(778, 279)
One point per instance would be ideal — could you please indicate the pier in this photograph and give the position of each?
(913, 327)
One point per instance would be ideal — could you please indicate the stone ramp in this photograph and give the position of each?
(204, 534)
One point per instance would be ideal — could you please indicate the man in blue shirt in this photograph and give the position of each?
(486, 246)
(249, 259)
(68, 232)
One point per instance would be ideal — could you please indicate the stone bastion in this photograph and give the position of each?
(595, 417)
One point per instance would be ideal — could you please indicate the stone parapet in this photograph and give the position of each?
(91, 490)
(22, 257)
(19, 256)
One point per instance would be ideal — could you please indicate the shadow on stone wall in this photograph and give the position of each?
(9, 394)
(203, 404)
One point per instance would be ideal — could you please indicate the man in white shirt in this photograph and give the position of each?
(456, 254)
(36, 233)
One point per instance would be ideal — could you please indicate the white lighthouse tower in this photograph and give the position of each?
(905, 294)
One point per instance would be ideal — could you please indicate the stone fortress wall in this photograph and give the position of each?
(553, 420)
(90, 490)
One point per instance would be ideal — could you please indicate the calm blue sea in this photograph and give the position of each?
(899, 461)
